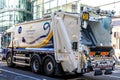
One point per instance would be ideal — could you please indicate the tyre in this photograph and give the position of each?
(9, 60)
(36, 64)
(49, 66)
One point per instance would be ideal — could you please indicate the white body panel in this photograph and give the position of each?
(33, 35)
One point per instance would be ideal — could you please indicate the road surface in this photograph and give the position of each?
(25, 73)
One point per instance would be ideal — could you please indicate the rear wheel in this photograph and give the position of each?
(36, 64)
(49, 67)
(9, 60)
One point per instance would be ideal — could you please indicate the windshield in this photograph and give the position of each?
(5, 40)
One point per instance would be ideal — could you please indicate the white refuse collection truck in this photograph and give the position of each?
(59, 42)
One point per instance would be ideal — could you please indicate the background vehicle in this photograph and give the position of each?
(60, 41)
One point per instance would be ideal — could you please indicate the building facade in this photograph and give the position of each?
(115, 6)
(13, 12)
(116, 36)
(40, 7)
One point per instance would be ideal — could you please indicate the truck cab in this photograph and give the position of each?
(5, 41)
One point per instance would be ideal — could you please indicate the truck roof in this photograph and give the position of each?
(33, 21)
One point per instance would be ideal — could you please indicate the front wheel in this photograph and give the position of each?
(49, 67)
(9, 60)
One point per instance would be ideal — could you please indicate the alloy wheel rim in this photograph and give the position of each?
(49, 66)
